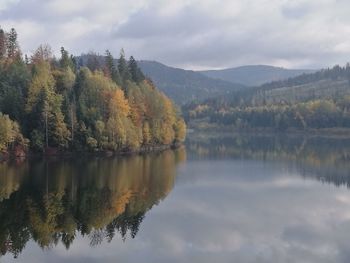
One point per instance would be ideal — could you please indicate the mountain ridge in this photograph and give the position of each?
(183, 85)
(255, 75)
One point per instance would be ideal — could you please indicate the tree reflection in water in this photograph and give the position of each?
(326, 159)
(53, 201)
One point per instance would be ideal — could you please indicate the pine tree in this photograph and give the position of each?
(66, 60)
(123, 68)
(135, 72)
(12, 46)
(112, 70)
(3, 44)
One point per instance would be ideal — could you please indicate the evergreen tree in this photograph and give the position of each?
(112, 70)
(93, 62)
(123, 69)
(135, 72)
(3, 44)
(66, 60)
(12, 46)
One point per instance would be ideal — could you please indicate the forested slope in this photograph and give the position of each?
(317, 100)
(184, 86)
(58, 104)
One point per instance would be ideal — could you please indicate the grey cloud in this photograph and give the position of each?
(193, 34)
(148, 24)
(295, 11)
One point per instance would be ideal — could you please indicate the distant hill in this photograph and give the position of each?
(317, 100)
(254, 75)
(184, 86)
(322, 84)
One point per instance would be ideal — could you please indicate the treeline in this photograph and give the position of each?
(58, 103)
(314, 114)
(317, 100)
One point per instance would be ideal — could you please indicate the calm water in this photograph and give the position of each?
(220, 199)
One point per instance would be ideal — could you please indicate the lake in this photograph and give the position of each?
(221, 198)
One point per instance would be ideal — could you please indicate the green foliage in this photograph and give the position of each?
(44, 106)
(14, 79)
(12, 45)
(111, 69)
(135, 72)
(2, 44)
(123, 67)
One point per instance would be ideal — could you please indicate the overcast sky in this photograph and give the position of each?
(193, 34)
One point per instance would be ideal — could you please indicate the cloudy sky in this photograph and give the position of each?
(193, 34)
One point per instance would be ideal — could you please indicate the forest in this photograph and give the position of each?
(310, 101)
(58, 104)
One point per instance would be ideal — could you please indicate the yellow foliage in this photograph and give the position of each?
(146, 133)
(180, 130)
(118, 104)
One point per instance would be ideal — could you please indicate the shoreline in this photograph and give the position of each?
(10, 156)
(310, 132)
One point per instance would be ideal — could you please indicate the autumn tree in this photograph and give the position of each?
(44, 108)
(9, 132)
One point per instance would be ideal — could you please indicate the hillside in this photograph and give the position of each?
(317, 100)
(184, 86)
(254, 75)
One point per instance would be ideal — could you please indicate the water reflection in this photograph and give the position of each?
(326, 159)
(247, 198)
(51, 202)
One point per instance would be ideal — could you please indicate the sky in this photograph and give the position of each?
(191, 34)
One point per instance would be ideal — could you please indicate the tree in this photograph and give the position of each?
(42, 53)
(123, 69)
(112, 70)
(9, 132)
(135, 72)
(65, 60)
(118, 122)
(14, 79)
(3, 44)
(44, 107)
(93, 62)
(180, 130)
(12, 45)
(146, 133)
